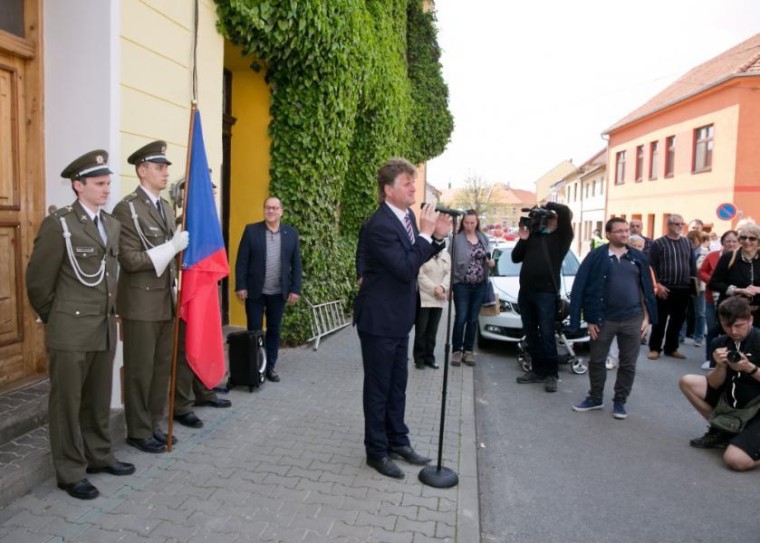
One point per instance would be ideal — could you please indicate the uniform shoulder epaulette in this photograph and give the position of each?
(129, 197)
(62, 211)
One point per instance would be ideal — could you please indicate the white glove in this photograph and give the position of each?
(180, 240)
(161, 256)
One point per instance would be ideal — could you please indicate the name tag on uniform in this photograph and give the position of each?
(84, 250)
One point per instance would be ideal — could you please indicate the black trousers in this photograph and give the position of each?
(386, 370)
(425, 332)
(671, 313)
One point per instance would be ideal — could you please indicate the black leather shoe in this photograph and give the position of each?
(81, 490)
(419, 366)
(432, 365)
(115, 468)
(272, 376)
(189, 419)
(149, 444)
(386, 466)
(216, 402)
(410, 455)
(160, 436)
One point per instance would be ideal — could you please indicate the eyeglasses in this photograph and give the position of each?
(271, 208)
(747, 238)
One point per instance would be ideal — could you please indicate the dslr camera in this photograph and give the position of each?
(537, 218)
(734, 357)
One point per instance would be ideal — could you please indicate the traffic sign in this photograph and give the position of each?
(726, 211)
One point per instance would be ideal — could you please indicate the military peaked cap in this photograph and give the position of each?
(155, 151)
(90, 164)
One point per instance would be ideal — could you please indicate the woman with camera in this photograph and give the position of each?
(738, 272)
(470, 277)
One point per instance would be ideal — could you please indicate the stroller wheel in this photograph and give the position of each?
(579, 366)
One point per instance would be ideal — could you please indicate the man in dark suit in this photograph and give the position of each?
(268, 275)
(71, 281)
(392, 252)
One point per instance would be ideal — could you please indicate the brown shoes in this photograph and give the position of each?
(677, 354)
(468, 358)
(653, 355)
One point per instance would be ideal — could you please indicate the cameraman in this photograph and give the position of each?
(542, 246)
(736, 376)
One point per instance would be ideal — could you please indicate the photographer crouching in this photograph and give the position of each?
(545, 237)
(729, 396)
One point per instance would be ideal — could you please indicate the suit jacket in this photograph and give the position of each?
(142, 295)
(250, 266)
(387, 299)
(79, 317)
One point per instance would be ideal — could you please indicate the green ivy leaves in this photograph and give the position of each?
(353, 82)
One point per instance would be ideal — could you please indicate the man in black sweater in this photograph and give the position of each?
(541, 248)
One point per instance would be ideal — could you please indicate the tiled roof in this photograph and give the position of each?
(741, 60)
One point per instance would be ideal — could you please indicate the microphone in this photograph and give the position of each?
(446, 210)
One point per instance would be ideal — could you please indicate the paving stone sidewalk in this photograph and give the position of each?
(285, 464)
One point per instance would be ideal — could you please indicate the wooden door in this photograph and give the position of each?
(22, 188)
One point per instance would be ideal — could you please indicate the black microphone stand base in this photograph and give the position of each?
(438, 477)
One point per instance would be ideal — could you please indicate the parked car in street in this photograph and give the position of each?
(505, 276)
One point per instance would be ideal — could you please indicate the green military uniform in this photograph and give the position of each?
(146, 302)
(71, 283)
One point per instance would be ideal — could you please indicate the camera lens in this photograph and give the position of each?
(734, 356)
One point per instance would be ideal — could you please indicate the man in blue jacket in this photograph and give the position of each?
(268, 275)
(614, 290)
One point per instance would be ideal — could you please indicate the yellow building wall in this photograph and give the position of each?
(250, 158)
(157, 82)
(692, 195)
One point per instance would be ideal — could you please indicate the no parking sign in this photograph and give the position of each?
(726, 211)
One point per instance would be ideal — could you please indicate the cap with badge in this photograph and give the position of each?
(90, 164)
(155, 151)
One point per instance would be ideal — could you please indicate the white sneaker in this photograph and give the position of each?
(706, 365)
(611, 364)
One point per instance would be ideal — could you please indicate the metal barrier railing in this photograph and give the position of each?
(327, 318)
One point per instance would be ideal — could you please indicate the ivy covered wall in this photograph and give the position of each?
(353, 82)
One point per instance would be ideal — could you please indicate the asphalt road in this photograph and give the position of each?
(549, 474)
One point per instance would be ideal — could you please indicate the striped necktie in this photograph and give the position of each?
(409, 229)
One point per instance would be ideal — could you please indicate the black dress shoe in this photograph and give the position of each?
(215, 402)
(410, 455)
(189, 419)
(149, 444)
(82, 490)
(386, 466)
(115, 468)
(432, 365)
(419, 366)
(272, 376)
(160, 436)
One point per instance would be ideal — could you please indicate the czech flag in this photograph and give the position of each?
(204, 265)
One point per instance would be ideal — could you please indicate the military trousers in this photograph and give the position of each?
(147, 363)
(188, 388)
(80, 411)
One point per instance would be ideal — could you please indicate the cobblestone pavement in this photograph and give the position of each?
(285, 463)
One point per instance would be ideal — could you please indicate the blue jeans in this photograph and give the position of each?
(713, 329)
(538, 310)
(699, 317)
(468, 297)
(274, 306)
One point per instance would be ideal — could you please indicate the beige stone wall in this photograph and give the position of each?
(156, 44)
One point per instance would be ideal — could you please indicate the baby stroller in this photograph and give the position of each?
(565, 350)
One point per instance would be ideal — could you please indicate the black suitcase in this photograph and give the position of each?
(248, 359)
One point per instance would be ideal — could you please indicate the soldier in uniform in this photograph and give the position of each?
(71, 282)
(147, 302)
(189, 390)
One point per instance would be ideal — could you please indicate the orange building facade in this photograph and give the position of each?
(692, 148)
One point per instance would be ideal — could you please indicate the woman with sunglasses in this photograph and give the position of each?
(738, 272)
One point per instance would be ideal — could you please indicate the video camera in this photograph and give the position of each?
(537, 218)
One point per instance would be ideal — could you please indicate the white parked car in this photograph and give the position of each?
(505, 276)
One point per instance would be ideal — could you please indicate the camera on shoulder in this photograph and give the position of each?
(537, 218)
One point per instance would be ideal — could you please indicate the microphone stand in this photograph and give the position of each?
(439, 476)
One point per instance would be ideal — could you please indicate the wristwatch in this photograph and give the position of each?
(753, 372)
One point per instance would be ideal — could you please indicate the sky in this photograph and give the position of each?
(533, 83)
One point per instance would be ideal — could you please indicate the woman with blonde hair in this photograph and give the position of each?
(738, 272)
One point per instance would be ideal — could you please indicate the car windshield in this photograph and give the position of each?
(506, 268)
